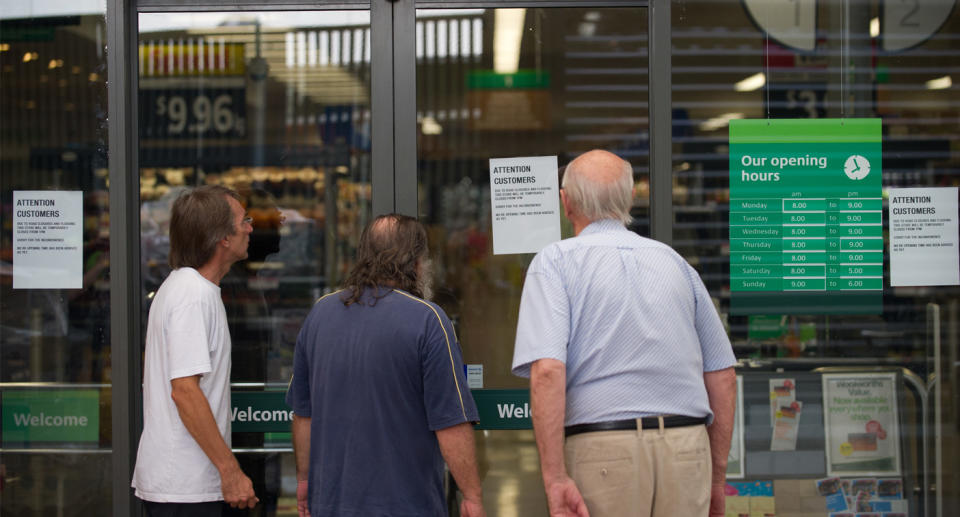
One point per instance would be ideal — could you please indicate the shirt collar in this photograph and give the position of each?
(603, 225)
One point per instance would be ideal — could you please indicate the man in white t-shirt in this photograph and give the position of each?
(184, 463)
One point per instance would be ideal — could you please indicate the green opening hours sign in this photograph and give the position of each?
(806, 234)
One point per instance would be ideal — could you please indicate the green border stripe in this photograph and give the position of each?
(799, 131)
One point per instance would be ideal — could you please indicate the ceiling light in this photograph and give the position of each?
(429, 126)
(940, 83)
(751, 83)
(719, 122)
(874, 27)
(507, 34)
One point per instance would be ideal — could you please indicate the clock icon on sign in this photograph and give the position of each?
(856, 167)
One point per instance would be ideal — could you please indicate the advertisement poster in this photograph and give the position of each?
(735, 467)
(861, 424)
(47, 239)
(525, 203)
(924, 247)
(806, 209)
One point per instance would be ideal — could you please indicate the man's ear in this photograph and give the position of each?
(565, 202)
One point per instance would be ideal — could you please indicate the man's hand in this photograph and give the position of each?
(459, 451)
(301, 456)
(564, 499)
(195, 413)
(472, 508)
(718, 500)
(237, 489)
(722, 390)
(303, 495)
(547, 401)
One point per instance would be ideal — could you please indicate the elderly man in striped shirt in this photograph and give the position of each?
(631, 372)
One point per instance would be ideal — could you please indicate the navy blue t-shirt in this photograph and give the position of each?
(377, 382)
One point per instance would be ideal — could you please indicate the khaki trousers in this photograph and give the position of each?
(646, 472)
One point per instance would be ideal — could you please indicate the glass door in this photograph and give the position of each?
(515, 83)
(275, 105)
(56, 377)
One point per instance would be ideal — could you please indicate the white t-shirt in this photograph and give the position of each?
(187, 335)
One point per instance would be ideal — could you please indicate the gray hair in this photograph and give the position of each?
(596, 199)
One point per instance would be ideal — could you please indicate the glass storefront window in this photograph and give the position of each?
(805, 61)
(276, 106)
(55, 368)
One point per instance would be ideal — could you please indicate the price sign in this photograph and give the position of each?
(193, 113)
(797, 100)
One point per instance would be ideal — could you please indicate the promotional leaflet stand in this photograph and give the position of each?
(875, 434)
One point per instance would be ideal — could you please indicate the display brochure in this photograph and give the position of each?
(786, 426)
(750, 498)
(47, 239)
(783, 393)
(924, 242)
(525, 203)
(861, 496)
(735, 466)
(861, 426)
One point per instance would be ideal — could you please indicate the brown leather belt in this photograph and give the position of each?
(648, 422)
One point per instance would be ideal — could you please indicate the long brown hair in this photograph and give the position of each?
(391, 248)
(199, 219)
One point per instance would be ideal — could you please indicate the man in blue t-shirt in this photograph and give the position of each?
(378, 390)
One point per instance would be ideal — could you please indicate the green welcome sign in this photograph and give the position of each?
(806, 234)
(503, 409)
(260, 411)
(267, 411)
(42, 417)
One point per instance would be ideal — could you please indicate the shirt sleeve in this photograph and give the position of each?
(186, 342)
(446, 396)
(298, 391)
(543, 327)
(714, 343)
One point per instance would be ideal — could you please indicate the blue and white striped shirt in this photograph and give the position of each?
(631, 320)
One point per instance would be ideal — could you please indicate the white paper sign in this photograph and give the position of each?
(924, 247)
(474, 376)
(47, 239)
(861, 424)
(525, 203)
